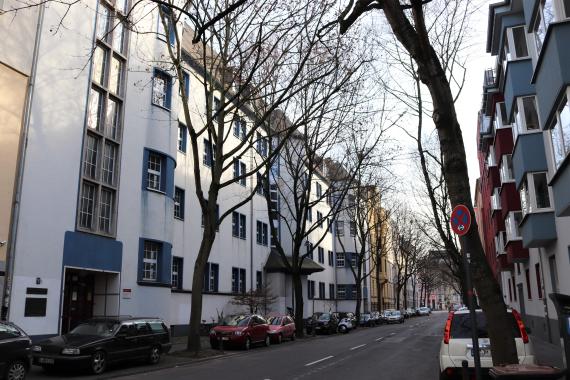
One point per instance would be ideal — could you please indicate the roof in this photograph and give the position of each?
(276, 264)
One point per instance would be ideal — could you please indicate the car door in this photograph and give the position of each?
(144, 339)
(123, 345)
(14, 345)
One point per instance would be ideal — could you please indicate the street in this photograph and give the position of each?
(406, 351)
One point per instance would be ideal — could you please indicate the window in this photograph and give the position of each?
(182, 136)
(155, 166)
(211, 277)
(94, 117)
(507, 168)
(274, 197)
(340, 228)
(240, 170)
(209, 158)
(322, 290)
(331, 291)
(161, 34)
(496, 199)
(538, 280)
(546, 15)
(262, 145)
(353, 257)
(515, 46)
(258, 280)
(340, 259)
(109, 163)
(310, 289)
(87, 205)
(177, 265)
(150, 260)
(91, 153)
(514, 289)
(351, 200)
(512, 222)
(240, 128)
(331, 258)
(179, 203)
(527, 275)
(215, 108)
(525, 116)
(352, 228)
(238, 225)
(330, 225)
(161, 89)
(534, 193)
(566, 4)
(500, 243)
(341, 292)
(553, 273)
(309, 250)
(501, 119)
(238, 280)
(319, 190)
(560, 132)
(320, 219)
(490, 159)
(106, 207)
(259, 189)
(262, 233)
(309, 214)
(104, 17)
(321, 254)
(185, 84)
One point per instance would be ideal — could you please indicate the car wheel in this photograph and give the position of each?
(98, 362)
(267, 341)
(154, 356)
(247, 344)
(16, 371)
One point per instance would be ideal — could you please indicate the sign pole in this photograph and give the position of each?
(460, 224)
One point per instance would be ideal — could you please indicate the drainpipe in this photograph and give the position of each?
(11, 249)
(544, 297)
(251, 223)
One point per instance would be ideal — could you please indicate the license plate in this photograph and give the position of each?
(225, 338)
(482, 352)
(46, 360)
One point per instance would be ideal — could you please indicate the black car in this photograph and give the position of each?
(311, 322)
(15, 352)
(98, 342)
(326, 323)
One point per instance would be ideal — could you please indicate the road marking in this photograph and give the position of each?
(379, 339)
(357, 347)
(318, 361)
(392, 334)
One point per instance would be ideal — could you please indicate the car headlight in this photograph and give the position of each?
(70, 351)
(37, 348)
(238, 333)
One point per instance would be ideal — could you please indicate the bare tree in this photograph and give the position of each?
(256, 300)
(407, 21)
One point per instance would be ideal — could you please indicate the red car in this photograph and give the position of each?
(281, 327)
(240, 331)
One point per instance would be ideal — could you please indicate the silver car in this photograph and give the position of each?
(394, 316)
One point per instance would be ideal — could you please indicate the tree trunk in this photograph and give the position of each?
(298, 288)
(378, 283)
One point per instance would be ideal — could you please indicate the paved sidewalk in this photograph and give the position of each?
(547, 353)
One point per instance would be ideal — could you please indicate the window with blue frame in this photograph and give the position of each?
(238, 280)
(240, 170)
(239, 128)
(209, 158)
(211, 277)
(156, 171)
(161, 34)
(186, 84)
(155, 265)
(161, 89)
(182, 137)
(310, 289)
(179, 203)
(238, 225)
(331, 258)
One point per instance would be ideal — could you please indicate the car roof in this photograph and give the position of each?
(123, 318)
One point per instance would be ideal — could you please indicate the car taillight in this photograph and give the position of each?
(447, 330)
(520, 324)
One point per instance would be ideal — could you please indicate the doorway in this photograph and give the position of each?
(79, 286)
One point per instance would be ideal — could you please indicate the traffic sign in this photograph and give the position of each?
(460, 220)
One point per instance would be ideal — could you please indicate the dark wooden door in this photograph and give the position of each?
(77, 298)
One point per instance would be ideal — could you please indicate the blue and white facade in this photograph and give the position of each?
(108, 222)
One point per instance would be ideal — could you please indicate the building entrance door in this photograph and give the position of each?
(79, 286)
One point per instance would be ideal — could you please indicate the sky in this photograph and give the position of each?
(469, 102)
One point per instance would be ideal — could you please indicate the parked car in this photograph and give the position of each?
(15, 354)
(326, 323)
(240, 331)
(365, 320)
(422, 311)
(98, 342)
(394, 316)
(376, 317)
(409, 312)
(457, 347)
(281, 327)
(345, 325)
(311, 322)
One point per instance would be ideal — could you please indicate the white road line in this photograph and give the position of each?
(357, 347)
(392, 334)
(379, 339)
(318, 361)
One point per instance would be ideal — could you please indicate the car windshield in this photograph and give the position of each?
(461, 326)
(235, 320)
(325, 317)
(396, 313)
(96, 328)
(275, 321)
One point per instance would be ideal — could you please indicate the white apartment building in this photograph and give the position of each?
(107, 221)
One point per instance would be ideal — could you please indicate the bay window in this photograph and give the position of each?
(535, 193)
(549, 11)
(500, 243)
(515, 45)
(506, 168)
(512, 222)
(525, 116)
(560, 132)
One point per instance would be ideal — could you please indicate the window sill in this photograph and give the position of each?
(181, 152)
(179, 218)
(155, 191)
(167, 109)
(96, 233)
(155, 284)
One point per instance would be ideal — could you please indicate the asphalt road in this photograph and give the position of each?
(407, 351)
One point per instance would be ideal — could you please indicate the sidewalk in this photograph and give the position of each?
(547, 353)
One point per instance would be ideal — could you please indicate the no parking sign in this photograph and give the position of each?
(460, 220)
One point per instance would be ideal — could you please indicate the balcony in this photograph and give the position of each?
(560, 185)
(538, 229)
(552, 72)
(504, 263)
(493, 176)
(510, 199)
(517, 81)
(503, 142)
(490, 78)
(516, 253)
(528, 156)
